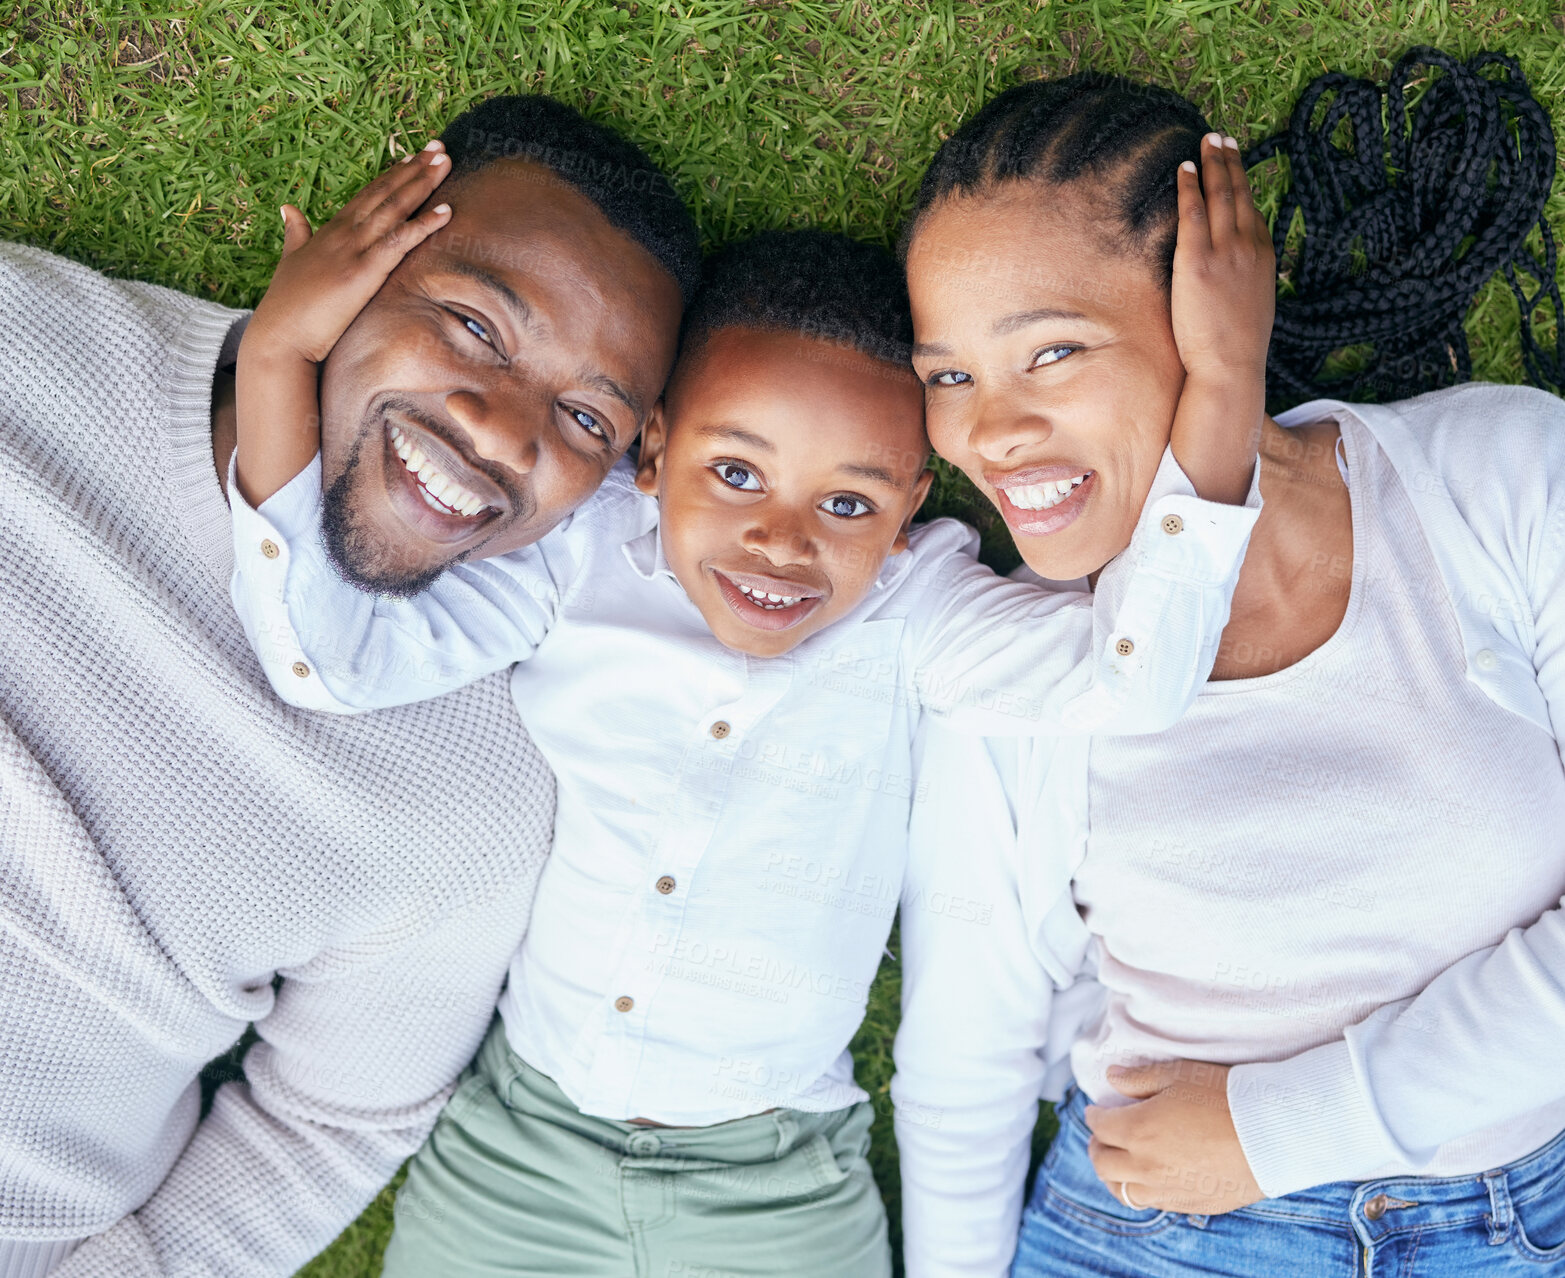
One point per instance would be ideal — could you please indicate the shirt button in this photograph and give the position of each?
(1485, 660)
(1173, 525)
(665, 885)
(624, 1003)
(302, 670)
(269, 549)
(1124, 647)
(720, 729)
(1375, 1208)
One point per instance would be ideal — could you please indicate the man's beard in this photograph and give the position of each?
(357, 552)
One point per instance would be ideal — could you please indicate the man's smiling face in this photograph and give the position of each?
(493, 381)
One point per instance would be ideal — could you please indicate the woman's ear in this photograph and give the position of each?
(649, 464)
(920, 491)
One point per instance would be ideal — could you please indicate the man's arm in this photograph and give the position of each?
(352, 1067)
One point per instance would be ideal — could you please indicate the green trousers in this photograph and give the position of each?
(515, 1180)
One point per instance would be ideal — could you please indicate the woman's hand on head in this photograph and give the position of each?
(326, 277)
(1176, 1148)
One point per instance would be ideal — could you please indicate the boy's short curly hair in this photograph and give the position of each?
(611, 171)
(815, 283)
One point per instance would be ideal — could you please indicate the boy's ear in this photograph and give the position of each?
(920, 491)
(649, 464)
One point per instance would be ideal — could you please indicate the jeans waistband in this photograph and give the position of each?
(1390, 1204)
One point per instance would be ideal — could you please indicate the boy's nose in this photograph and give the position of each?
(780, 540)
(507, 433)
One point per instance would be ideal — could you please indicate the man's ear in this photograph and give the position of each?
(920, 491)
(649, 464)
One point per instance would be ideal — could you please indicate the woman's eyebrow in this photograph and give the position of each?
(1021, 319)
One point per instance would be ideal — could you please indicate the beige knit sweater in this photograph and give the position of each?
(172, 836)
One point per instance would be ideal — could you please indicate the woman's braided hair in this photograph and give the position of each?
(1386, 261)
(1392, 260)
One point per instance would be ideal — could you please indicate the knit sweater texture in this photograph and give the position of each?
(173, 838)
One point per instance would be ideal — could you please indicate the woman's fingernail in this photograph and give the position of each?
(1188, 166)
(408, 158)
(437, 160)
(434, 144)
(1231, 143)
(442, 209)
(284, 211)
(1214, 139)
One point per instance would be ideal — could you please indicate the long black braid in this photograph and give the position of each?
(1392, 260)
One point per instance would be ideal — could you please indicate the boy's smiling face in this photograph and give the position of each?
(787, 469)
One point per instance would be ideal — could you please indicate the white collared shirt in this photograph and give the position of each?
(731, 831)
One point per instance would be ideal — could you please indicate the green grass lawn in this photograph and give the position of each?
(157, 142)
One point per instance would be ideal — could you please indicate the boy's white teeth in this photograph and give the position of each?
(1043, 496)
(437, 489)
(764, 599)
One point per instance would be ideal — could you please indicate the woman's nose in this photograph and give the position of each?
(1002, 426)
(503, 430)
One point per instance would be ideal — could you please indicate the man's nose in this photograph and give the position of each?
(504, 429)
(1003, 424)
(780, 535)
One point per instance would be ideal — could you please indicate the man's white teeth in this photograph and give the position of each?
(1043, 496)
(436, 488)
(767, 600)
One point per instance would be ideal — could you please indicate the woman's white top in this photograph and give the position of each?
(1349, 871)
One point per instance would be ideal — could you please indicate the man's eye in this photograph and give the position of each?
(847, 507)
(737, 476)
(474, 327)
(1052, 355)
(951, 377)
(589, 423)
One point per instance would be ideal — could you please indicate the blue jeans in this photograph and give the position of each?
(1510, 1221)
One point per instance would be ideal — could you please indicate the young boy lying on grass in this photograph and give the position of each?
(723, 655)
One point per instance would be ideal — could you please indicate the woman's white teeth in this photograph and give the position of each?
(767, 600)
(436, 488)
(1043, 496)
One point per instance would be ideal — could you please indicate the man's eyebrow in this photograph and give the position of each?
(748, 438)
(606, 384)
(519, 309)
(1021, 319)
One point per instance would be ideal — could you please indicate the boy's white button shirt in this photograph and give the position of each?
(731, 831)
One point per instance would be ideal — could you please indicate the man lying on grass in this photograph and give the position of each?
(172, 838)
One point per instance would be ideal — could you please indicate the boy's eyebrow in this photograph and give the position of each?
(876, 473)
(748, 438)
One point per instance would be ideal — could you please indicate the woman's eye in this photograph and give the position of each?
(949, 378)
(847, 507)
(588, 423)
(1052, 355)
(737, 476)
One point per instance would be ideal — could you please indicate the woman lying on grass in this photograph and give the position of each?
(1325, 907)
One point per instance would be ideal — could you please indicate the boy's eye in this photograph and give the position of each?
(1052, 355)
(951, 377)
(737, 476)
(588, 422)
(847, 507)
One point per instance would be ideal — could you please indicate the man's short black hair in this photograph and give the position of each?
(611, 171)
(815, 283)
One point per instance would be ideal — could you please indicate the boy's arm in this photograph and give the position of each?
(1008, 659)
(321, 284)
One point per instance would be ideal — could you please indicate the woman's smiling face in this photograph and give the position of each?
(1048, 360)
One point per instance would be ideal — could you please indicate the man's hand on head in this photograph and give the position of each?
(325, 278)
(1176, 1148)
